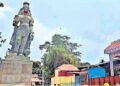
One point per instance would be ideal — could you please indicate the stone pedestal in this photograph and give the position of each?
(15, 71)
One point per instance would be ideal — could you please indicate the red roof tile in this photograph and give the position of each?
(35, 78)
(67, 67)
(113, 45)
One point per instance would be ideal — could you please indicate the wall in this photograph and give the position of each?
(63, 79)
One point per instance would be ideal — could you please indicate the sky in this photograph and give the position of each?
(92, 23)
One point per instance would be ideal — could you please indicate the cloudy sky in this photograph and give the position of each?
(92, 23)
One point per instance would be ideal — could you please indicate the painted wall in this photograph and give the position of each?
(77, 78)
(96, 72)
(63, 79)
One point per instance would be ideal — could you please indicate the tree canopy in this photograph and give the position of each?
(1, 40)
(1, 4)
(59, 51)
(37, 68)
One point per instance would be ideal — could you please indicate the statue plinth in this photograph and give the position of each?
(15, 70)
(11, 56)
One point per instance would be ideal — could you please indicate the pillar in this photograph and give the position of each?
(111, 57)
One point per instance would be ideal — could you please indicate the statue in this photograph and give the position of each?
(23, 32)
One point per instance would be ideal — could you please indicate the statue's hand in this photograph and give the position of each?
(31, 36)
(14, 24)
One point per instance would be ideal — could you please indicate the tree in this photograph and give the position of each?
(117, 70)
(1, 40)
(59, 51)
(1, 4)
(57, 40)
(37, 68)
(85, 64)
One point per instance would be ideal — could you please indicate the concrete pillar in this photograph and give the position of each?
(111, 65)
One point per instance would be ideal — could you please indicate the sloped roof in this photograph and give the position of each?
(113, 47)
(33, 79)
(67, 67)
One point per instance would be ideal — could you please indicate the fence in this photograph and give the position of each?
(112, 80)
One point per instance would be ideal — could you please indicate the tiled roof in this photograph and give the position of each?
(67, 67)
(113, 45)
(35, 80)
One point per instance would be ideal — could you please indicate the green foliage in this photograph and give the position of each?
(58, 56)
(117, 70)
(86, 64)
(59, 51)
(37, 68)
(1, 40)
(47, 75)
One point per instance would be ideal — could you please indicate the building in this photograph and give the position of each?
(35, 81)
(113, 50)
(65, 75)
(83, 75)
(106, 66)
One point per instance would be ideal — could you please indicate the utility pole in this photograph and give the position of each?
(43, 81)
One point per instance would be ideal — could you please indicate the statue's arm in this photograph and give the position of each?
(31, 26)
(16, 20)
(31, 29)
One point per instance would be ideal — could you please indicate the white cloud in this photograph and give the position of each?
(43, 33)
(5, 9)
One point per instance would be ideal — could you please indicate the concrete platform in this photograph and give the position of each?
(20, 84)
(15, 71)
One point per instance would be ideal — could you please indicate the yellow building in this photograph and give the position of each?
(65, 75)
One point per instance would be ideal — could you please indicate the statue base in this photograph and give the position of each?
(12, 56)
(20, 84)
(15, 71)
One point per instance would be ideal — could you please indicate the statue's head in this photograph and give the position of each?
(25, 9)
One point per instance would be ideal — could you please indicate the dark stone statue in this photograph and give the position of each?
(23, 32)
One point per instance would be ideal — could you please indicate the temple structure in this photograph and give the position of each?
(113, 50)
